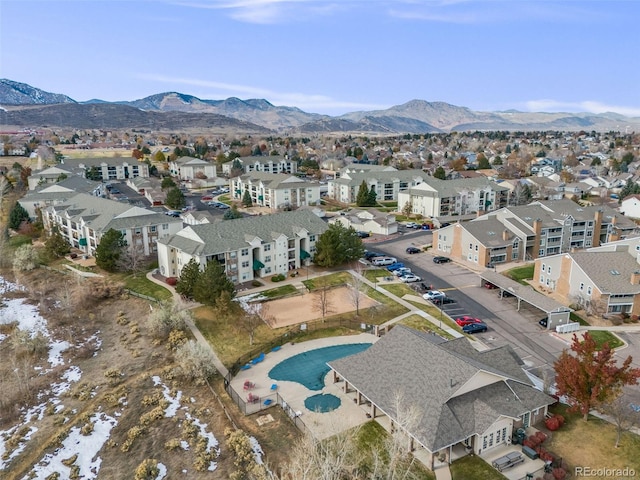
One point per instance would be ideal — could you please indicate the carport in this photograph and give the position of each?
(557, 313)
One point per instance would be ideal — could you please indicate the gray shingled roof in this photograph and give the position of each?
(275, 180)
(356, 178)
(451, 188)
(407, 364)
(489, 232)
(230, 235)
(262, 159)
(97, 161)
(609, 271)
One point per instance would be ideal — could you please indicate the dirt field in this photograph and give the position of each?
(299, 309)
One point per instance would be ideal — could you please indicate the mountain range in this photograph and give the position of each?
(23, 105)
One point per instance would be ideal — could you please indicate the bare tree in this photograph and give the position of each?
(321, 298)
(256, 314)
(355, 288)
(133, 259)
(623, 414)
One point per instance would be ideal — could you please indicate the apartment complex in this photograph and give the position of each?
(190, 168)
(267, 164)
(108, 168)
(387, 182)
(248, 248)
(275, 191)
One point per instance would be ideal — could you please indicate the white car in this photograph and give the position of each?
(412, 225)
(433, 295)
(402, 271)
(410, 278)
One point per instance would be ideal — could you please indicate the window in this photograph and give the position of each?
(267, 270)
(588, 290)
(541, 252)
(267, 247)
(267, 259)
(543, 267)
(138, 231)
(484, 442)
(541, 278)
(471, 246)
(549, 269)
(244, 252)
(476, 248)
(312, 238)
(165, 226)
(233, 255)
(245, 264)
(153, 228)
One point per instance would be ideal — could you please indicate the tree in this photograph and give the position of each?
(211, 283)
(372, 197)
(188, 278)
(407, 209)
(483, 161)
(195, 362)
(362, 199)
(246, 199)
(589, 377)
(236, 168)
(175, 198)
(167, 182)
(338, 245)
(624, 415)
(167, 317)
(137, 154)
(255, 314)
(133, 259)
(630, 188)
(159, 157)
(93, 174)
(110, 249)
(25, 258)
(232, 213)
(440, 173)
(522, 194)
(56, 245)
(321, 297)
(497, 160)
(17, 215)
(355, 288)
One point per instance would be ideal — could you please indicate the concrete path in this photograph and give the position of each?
(82, 273)
(443, 472)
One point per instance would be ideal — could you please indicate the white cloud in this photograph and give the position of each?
(548, 105)
(219, 90)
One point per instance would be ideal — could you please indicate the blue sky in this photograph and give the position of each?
(332, 57)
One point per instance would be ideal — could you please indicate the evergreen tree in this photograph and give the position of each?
(246, 199)
(372, 197)
(56, 245)
(630, 188)
(232, 213)
(440, 173)
(175, 198)
(93, 174)
(167, 182)
(211, 284)
(188, 278)
(483, 162)
(338, 245)
(17, 216)
(362, 199)
(110, 249)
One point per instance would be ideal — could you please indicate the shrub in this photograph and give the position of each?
(554, 423)
(147, 470)
(165, 318)
(173, 444)
(278, 278)
(171, 281)
(559, 473)
(155, 414)
(176, 338)
(195, 362)
(541, 436)
(25, 258)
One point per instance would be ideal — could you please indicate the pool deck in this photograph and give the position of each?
(321, 425)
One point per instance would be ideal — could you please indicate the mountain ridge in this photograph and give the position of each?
(23, 104)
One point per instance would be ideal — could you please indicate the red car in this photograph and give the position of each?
(466, 320)
(489, 285)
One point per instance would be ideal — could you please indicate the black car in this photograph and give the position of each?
(363, 234)
(441, 259)
(443, 301)
(475, 328)
(369, 255)
(412, 250)
(543, 322)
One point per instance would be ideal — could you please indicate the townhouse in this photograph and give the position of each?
(82, 220)
(47, 194)
(248, 248)
(386, 181)
(267, 164)
(48, 176)
(368, 221)
(439, 198)
(531, 231)
(276, 191)
(108, 168)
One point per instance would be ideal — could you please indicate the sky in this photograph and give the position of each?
(332, 56)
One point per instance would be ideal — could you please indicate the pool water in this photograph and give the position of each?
(322, 403)
(310, 368)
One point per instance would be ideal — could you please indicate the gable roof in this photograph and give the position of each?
(609, 271)
(428, 374)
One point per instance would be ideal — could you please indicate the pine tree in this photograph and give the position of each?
(188, 278)
(372, 197)
(440, 173)
(211, 283)
(17, 216)
(246, 199)
(110, 249)
(362, 198)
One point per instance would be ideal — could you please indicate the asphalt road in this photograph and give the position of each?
(520, 329)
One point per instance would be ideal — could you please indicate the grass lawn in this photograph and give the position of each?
(374, 274)
(370, 437)
(474, 468)
(141, 284)
(601, 337)
(420, 323)
(277, 292)
(592, 443)
(381, 314)
(520, 274)
(333, 280)
(574, 317)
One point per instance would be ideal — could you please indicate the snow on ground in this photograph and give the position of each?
(257, 450)
(174, 402)
(162, 471)
(87, 459)
(246, 300)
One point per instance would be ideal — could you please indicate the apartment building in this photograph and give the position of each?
(108, 168)
(248, 248)
(190, 168)
(276, 191)
(267, 164)
(386, 181)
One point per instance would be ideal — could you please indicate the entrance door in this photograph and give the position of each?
(526, 418)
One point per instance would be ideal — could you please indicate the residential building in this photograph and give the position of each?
(387, 182)
(469, 401)
(189, 168)
(48, 194)
(267, 164)
(531, 231)
(603, 280)
(83, 219)
(48, 175)
(630, 206)
(276, 191)
(150, 188)
(368, 221)
(437, 198)
(248, 248)
(108, 168)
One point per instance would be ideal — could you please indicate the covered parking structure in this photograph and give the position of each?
(557, 313)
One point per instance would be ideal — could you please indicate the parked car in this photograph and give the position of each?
(412, 225)
(383, 261)
(475, 328)
(432, 295)
(402, 271)
(206, 198)
(544, 322)
(369, 255)
(363, 234)
(489, 285)
(412, 250)
(466, 320)
(427, 226)
(443, 301)
(440, 259)
(410, 278)
(395, 266)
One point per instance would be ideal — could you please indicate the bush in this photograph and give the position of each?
(554, 423)
(195, 362)
(147, 470)
(278, 277)
(171, 281)
(165, 318)
(25, 258)
(559, 473)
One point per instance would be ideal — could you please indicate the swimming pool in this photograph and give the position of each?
(310, 368)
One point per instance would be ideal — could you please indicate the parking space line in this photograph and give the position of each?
(456, 288)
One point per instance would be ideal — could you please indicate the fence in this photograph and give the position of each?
(140, 295)
(568, 327)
